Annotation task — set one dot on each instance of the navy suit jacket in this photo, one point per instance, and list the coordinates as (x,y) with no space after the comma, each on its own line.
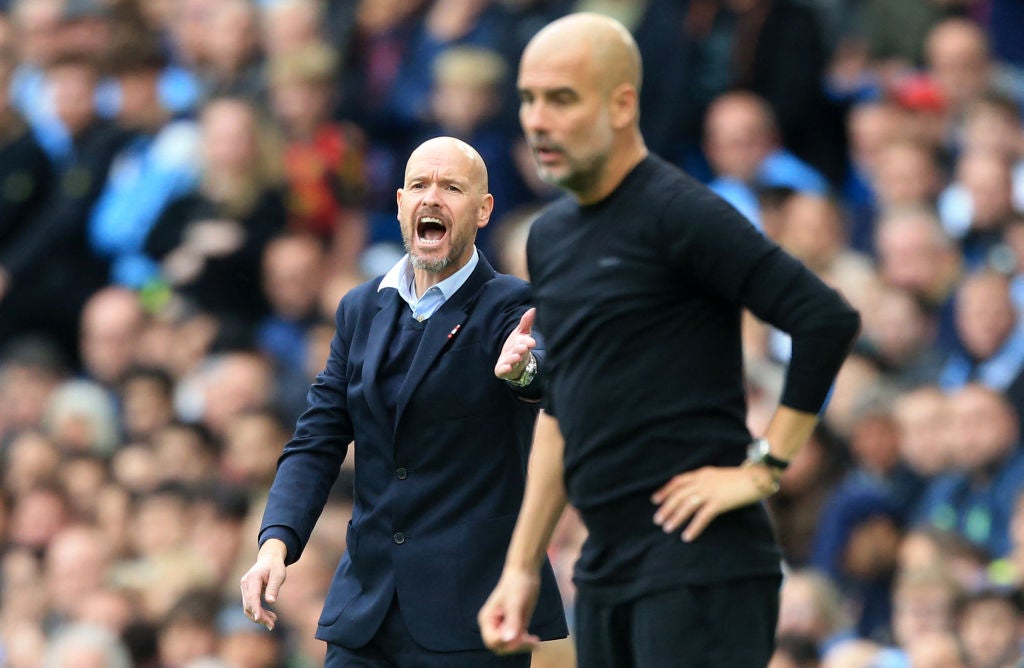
(438,488)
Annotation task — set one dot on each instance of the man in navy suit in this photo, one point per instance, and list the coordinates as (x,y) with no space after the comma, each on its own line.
(441,442)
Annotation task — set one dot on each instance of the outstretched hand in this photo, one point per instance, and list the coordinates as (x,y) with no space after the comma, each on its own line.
(262,583)
(516,351)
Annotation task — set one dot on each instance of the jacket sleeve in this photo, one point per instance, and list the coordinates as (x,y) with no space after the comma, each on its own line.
(309,464)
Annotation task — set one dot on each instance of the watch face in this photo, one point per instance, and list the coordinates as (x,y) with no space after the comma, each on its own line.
(757,449)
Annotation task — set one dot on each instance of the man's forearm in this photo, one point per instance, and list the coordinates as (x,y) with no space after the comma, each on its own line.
(543,501)
(788,430)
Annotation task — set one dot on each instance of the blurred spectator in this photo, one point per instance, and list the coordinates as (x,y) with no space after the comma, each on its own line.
(936,650)
(923,421)
(234,383)
(992,335)
(210,241)
(959,61)
(30,460)
(146,402)
(38,515)
(29,371)
(253,441)
(857,546)
(742,144)
(49,268)
(810,606)
(907,175)
(244,644)
(914,254)
(989,624)
(81,418)
(112,320)
(158,166)
(23,164)
(188,631)
(977,499)
(899,331)
(793,651)
(871,127)
(37,38)
(184,453)
(293,272)
(231,50)
(84,646)
(324,161)
(924,600)
(75,567)
(290,25)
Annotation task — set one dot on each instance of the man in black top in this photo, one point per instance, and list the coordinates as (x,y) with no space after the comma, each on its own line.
(639,279)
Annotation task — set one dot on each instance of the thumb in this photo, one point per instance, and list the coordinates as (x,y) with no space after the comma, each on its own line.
(273,587)
(526,322)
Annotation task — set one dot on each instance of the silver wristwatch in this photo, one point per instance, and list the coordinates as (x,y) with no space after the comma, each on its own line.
(529,372)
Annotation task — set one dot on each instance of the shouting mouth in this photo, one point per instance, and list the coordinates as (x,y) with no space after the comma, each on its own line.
(430,231)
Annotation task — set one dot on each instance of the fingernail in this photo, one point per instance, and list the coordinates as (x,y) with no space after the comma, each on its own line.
(657,519)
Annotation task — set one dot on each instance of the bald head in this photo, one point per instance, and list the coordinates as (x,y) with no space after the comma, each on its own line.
(445,149)
(603,41)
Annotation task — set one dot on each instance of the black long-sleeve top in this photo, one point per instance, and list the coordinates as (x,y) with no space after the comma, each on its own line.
(639,300)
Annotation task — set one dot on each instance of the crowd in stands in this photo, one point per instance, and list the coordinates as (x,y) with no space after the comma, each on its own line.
(188,187)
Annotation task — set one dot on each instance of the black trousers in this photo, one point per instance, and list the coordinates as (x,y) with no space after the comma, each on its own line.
(728,625)
(393,647)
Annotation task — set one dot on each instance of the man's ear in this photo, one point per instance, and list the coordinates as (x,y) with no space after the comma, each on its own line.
(398,199)
(486,207)
(625,105)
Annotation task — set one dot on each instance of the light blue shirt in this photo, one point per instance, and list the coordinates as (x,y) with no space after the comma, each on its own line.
(400,277)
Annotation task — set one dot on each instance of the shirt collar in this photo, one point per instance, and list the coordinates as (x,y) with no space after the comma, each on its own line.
(401,278)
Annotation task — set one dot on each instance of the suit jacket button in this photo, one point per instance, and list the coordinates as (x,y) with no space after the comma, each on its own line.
(399,537)
(401,473)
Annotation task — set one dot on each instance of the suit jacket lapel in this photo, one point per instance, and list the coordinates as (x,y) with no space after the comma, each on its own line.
(378,341)
(442,323)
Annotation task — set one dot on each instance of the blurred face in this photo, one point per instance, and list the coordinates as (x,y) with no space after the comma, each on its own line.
(462,108)
(565,115)
(935,650)
(989,182)
(957,56)
(921,610)
(910,255)
(73,88)
(906,175)
(441,206)
(111,323)
(990,631)
(251,448)
(737,138)
(146,406)
(229,136)
(871,129)
(799,611)
(898,327)
(139,98)
(231,35)
(299,105)
(985,315)
(991,128)
(984,427)
(811,230)
(923,419)
(292,277)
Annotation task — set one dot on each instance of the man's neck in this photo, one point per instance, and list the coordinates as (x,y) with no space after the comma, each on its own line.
(621,162)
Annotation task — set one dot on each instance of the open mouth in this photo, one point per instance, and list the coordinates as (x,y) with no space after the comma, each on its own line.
(430,230)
